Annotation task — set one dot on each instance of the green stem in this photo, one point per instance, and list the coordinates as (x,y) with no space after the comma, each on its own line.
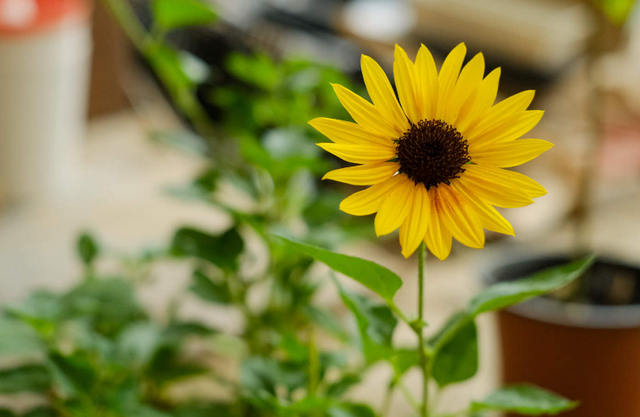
(183,96)
(408,396)
(423,355)
(314,364)
(129,23)
(386,401)
(399,313)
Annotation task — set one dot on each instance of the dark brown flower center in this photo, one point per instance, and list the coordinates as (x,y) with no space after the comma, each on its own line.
(432,152)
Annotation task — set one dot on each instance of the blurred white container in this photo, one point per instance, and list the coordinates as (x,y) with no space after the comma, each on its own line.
(45,49)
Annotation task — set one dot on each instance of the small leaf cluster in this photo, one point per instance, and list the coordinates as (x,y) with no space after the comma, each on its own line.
(93,350)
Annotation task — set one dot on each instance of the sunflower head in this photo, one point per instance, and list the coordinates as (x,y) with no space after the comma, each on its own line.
(431,152)
(435,160)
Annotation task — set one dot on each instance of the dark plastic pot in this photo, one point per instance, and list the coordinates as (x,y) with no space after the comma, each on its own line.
(587,351)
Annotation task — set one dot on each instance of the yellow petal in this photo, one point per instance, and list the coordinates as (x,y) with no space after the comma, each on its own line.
(438,237)
(340,131)
(414,228)
(382,95)
(510,128)
(467,84)
(448,77)
(360,154)
(489,216)
(495,187)
(364,113)
(524,183)
(476,106)
(364,174)
(514,104)
(459,217)
(395,208)
(368,201)
(427,75)
(510,154)
(406,83)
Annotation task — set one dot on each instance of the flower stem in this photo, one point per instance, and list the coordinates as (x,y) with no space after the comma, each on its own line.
(422,251)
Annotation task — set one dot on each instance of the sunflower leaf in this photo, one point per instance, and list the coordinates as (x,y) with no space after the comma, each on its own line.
(524,399)
(376,324)
(457,359)
(373,276)
(505,294)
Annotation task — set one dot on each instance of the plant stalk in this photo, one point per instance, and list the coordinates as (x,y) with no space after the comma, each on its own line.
(386,401)
(423,355)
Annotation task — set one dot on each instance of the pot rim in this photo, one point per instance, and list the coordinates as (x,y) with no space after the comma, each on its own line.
(563,313)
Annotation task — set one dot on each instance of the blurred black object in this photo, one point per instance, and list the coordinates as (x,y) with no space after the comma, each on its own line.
(249,26)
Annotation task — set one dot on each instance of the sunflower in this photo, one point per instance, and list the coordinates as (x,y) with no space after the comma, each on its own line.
(435,161)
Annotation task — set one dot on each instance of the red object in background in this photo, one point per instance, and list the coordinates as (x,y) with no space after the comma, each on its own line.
(619,157)
(23,17)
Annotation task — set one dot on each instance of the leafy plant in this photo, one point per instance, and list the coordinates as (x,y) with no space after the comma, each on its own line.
(95,350)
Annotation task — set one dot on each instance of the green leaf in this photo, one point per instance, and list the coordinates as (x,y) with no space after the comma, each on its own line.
(138,342)
(341,386)
(40,306)
(87,248)
(616,10)
(260,375)
(301,191)
(170,14)
(457,359)
(18,339)
(351,410)
(205,410)
(205,288)
(6,413)
(525,399)
(126,401)
(449,328)
(74,373)
(41,310)
(505,294)
(176,333)
(258,70)
(167,64)
(221,250)
(32,378)
(325,320)
(405,359)
(376,324)
(40,412)
(373,276)
(107,304)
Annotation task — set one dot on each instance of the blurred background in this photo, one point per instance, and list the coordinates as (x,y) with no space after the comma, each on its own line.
(100,133)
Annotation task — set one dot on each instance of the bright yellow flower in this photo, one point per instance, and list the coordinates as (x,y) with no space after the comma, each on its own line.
(435,160)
